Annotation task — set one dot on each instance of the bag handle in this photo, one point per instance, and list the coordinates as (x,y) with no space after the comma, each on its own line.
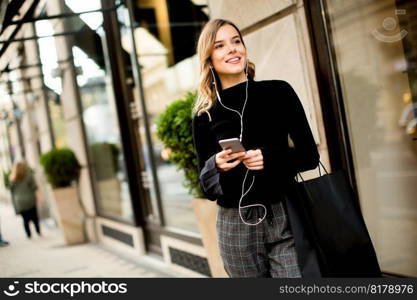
(327,173)
(320,164)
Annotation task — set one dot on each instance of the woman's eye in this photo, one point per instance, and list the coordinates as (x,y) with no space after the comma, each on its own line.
(237,41)
(218,46)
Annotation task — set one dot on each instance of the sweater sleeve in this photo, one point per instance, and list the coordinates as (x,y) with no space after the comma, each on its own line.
(205,146)
(304,155)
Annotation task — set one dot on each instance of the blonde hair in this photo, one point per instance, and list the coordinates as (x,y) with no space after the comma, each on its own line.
(206,90)
(19,171)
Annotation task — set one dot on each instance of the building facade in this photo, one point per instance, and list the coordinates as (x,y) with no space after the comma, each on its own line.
(95,75)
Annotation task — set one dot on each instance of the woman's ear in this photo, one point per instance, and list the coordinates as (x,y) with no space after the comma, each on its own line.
(210,63)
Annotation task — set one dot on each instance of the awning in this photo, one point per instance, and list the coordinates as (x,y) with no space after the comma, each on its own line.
(8,9)
(12,9)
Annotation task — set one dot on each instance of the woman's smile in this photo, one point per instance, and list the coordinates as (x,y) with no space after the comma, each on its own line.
(234,60)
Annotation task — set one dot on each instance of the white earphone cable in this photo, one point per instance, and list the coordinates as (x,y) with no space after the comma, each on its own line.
(240,138)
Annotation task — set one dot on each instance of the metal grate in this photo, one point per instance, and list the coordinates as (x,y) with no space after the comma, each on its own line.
(190,261)
(117,235)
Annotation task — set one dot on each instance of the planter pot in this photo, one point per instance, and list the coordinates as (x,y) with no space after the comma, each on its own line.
(69,215)
(206,214)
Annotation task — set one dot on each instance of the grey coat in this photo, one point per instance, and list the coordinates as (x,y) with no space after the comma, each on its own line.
(23,193)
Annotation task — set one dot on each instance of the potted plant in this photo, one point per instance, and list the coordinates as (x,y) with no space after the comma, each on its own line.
(174,129)
(62,170)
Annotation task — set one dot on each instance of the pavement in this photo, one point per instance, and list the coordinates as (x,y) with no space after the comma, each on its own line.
(49,256)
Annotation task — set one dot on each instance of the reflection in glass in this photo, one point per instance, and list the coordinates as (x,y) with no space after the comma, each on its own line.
(376,59)
(49,60)
(48,56)
(99,113)
(166,36)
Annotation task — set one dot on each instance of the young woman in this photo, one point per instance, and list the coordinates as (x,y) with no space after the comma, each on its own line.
(23,188)
(255,237)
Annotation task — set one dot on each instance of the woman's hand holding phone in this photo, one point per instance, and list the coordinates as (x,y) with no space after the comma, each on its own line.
(254,160)
(224,157)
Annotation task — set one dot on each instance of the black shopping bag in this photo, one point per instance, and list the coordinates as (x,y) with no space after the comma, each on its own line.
(301,229)
(336,227)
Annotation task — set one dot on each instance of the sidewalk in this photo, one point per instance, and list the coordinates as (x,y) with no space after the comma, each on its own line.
(48,256)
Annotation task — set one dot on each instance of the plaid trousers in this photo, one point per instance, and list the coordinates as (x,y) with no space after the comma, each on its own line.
(263,250)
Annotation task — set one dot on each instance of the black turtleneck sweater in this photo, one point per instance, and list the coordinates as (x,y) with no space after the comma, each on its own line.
(273,112)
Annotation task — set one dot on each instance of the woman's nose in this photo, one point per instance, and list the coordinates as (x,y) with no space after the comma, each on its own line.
(232,48)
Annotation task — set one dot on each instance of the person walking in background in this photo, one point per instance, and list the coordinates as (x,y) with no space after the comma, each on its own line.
(255,237)
(23,188)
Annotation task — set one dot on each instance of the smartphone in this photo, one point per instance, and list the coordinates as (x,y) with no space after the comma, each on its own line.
(232,143)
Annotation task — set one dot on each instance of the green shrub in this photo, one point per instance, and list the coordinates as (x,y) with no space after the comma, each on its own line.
(174,129)
(61,167)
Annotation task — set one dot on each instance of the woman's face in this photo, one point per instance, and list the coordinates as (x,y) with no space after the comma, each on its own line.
(229,54)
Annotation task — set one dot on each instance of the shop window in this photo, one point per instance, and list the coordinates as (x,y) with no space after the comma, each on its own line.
(375,47)
(166,34)
(99,114)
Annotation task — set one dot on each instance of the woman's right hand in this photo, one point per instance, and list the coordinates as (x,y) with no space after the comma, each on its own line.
(223,158)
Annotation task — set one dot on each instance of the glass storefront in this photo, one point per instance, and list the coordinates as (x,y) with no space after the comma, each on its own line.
(166,36)
(169,69)
(99,113)
(49,60)
(375,44)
